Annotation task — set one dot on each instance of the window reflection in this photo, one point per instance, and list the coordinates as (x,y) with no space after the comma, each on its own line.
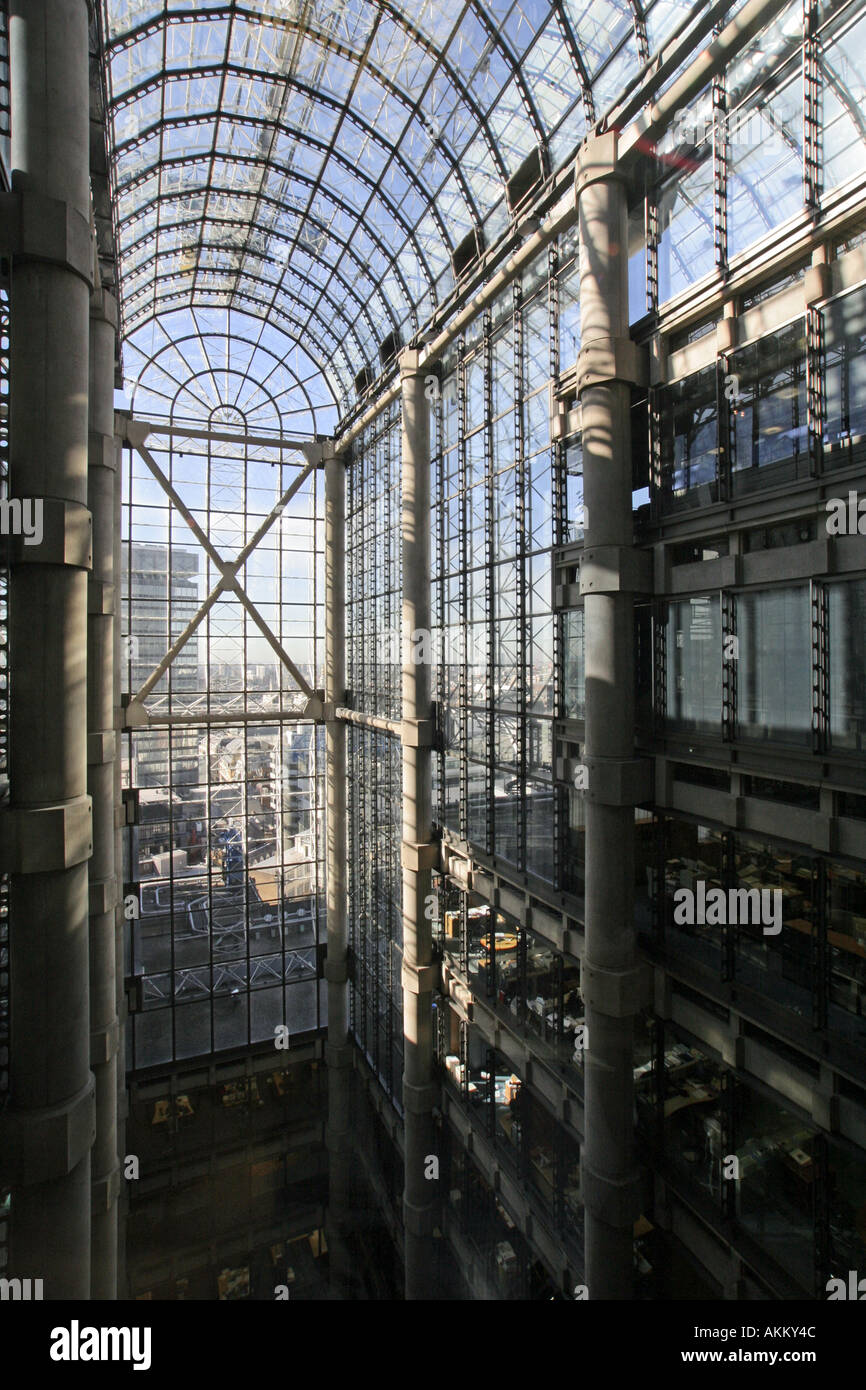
(575,664)
(694,1122)
(774,686)
(846,939)
(694,663)
(765,181)
(775,1191)
(686,247)
(694,852)
(847,624)
(844,328)
(690,441)
(777,963)
(844,95)
(769,440)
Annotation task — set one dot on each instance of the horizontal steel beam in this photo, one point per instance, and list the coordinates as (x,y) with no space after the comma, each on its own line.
(369,721)
(134,430)
(280,716)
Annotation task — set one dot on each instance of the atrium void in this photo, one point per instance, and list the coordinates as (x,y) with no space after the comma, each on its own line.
(432,677)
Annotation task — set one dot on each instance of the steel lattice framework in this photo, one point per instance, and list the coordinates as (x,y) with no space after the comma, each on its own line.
(317,162)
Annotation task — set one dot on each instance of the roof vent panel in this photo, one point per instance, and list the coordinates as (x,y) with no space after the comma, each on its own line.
(467,253)
(523,183)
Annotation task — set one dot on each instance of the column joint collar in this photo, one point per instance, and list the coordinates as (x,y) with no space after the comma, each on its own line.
(34,227)
(598,161)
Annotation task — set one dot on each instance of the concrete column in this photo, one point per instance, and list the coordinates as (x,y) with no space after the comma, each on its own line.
(101,758)
(338,1051)
(417,852)
(47,1130)
(609,976)
(119,921)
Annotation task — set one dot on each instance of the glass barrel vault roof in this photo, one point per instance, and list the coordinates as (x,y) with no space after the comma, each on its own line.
(313,163)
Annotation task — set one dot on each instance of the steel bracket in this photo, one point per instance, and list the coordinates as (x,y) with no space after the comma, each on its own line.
(615,1203)
(616,569)
(419,979)
(616,993)
(104,1043)
(46,839)
(419,857)
(416,733)
(36,228)
(611,359)
(66,537)
(39,1145)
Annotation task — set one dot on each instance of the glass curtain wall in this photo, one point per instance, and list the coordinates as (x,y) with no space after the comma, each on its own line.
(812,965)
(754,1160)
(374,637)
(224,786)
(746,424)
(497,480)
(775,135)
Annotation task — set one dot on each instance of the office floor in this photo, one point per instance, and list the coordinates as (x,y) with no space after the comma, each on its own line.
(231,1198)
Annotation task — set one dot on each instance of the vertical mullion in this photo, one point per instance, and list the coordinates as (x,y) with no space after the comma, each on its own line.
(816,393)
(729,666)
(729,931)
(276,767)
(463,683)
(489,581)
(652,250)
(729,1139)
(720,156)
(822,1211)
(660,641)
(245,768)
(207,740)
(440,512)
(655,396)
(811,107)
(820,668)
(5,975)
(520,549)
(556,621)
(386,695)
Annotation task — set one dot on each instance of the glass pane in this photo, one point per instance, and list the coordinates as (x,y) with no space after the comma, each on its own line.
(774,667)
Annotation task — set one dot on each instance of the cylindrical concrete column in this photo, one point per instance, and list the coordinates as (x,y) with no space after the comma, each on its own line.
(101,758)
(338,1051)
(46,1133)
(417,851)
(608,1167)
(120,923)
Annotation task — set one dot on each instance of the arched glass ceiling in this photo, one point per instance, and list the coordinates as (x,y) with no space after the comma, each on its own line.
(315,162)
(204,367)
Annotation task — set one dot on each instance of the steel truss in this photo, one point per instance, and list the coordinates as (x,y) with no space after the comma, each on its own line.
(204,981)
(134,433)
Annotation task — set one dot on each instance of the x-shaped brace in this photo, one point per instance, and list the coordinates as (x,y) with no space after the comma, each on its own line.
(228,582)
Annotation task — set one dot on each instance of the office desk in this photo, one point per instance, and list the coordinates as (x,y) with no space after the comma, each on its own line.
(162,1109)
(699,1095)
(241,1093)
(503,941)
(800,1164)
